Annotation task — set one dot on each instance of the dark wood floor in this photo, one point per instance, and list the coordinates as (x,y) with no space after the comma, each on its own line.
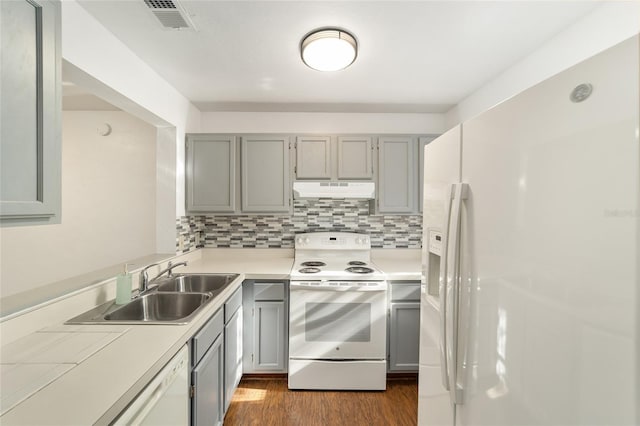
(269,402)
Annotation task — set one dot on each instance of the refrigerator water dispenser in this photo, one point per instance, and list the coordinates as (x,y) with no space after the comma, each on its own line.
(435,251)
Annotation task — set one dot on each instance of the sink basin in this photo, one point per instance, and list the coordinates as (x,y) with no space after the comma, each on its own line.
(160,307)
(152,308)
(175,300)
(200,283)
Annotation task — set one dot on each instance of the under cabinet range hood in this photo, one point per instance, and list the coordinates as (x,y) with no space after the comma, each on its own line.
(350,190)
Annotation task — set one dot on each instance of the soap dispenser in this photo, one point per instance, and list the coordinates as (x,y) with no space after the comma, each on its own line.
(123,286)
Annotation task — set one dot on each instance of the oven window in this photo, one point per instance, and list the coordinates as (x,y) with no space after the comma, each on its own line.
(337,322)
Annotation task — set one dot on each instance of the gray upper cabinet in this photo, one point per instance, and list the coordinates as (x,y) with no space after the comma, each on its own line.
(233,174)
(355,157)
(313,157)
(30,112)
(397,163)
(265,174)
(211,162)
(422,142)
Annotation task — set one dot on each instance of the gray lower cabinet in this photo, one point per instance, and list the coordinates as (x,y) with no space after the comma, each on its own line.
(30,112)
(232,346)
(210,168)
(404,326)
(397,164)
(266,325)
(266,186)
(269,335)
(207,374)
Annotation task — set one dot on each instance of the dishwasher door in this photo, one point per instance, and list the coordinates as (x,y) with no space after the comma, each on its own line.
(165,400)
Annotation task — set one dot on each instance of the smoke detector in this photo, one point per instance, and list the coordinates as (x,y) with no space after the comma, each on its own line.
(170,14)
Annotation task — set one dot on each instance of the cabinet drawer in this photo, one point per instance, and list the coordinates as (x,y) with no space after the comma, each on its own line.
(206,336)
(405,291)
(232,305)
(268,291)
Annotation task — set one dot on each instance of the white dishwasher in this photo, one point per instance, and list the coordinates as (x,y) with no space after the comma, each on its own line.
(165,400)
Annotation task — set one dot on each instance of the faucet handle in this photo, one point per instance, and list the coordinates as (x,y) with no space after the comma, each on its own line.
(170,266)
(144,277)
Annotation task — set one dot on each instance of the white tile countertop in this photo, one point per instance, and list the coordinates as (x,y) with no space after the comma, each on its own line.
(253,263)
(96,388)
(398,265)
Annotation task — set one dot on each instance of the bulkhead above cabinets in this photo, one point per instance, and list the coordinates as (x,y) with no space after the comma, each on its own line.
(254,174)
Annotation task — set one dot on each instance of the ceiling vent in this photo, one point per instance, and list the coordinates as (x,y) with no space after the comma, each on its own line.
(170,14)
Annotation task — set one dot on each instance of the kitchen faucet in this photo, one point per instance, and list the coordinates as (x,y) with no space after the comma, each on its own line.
(144,277)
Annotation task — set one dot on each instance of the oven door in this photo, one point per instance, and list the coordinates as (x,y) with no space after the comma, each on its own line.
(338,320)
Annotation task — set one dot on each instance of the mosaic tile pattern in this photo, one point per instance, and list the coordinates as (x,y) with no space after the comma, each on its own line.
(189,232)
(271,231)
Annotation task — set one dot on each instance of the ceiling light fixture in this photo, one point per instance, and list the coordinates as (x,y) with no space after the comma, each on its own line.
(328,49)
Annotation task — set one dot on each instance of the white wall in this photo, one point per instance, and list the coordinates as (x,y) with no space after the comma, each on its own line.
(100,62)
(607,25)
(166,191)
(317,122)
(108,205)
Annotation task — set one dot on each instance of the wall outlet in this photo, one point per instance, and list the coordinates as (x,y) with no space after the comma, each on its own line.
(180,242)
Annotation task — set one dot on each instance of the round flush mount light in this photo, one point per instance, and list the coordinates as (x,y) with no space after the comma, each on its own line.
(328,49)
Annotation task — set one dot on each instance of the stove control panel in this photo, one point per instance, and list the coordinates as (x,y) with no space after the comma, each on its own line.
(332,241)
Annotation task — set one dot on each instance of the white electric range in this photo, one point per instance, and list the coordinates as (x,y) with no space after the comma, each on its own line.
(338,313)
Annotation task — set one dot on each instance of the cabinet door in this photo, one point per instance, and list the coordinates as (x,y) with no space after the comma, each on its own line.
(397,159)
(269,330)
(30,134)
(232,356)
(207,380)
(404,336)
(355,159)
(422,142)
(211,173)
(313,157)
(265,174)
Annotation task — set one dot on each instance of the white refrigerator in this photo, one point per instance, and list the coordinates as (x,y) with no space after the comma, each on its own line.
(530,295)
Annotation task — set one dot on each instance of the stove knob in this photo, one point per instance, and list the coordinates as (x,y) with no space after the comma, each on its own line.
(358,241)
(299,240)
(307,240)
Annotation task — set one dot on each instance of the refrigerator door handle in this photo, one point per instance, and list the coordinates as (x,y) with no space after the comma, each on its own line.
(453,285)
(442,291)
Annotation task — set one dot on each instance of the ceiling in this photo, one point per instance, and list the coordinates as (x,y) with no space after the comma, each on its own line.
(414,56)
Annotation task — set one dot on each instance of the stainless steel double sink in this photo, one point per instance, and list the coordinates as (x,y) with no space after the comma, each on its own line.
(173,300)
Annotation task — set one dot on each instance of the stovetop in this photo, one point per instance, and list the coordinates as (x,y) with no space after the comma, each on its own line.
(334,256)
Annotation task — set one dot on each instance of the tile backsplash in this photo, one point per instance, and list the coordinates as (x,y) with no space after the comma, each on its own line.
(278,231)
